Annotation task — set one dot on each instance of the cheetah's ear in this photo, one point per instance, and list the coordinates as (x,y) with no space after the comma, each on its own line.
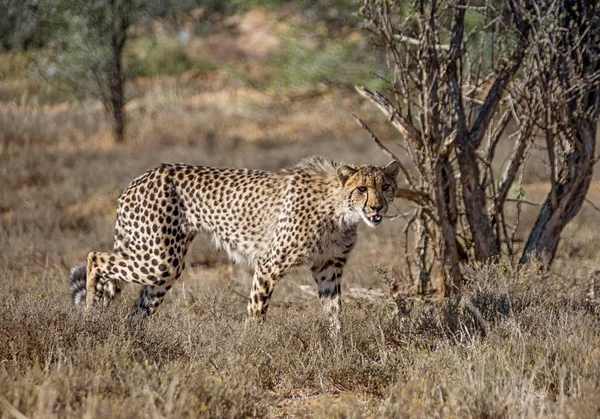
(345,172)
(392,169)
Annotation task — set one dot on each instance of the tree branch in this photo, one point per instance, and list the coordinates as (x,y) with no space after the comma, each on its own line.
(502,80)
(455,92)
(522,144)
(405,128)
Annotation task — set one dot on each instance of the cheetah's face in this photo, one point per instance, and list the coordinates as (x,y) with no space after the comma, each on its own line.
(369,189)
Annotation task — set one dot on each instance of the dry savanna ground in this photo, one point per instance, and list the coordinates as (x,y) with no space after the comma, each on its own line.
(60,175)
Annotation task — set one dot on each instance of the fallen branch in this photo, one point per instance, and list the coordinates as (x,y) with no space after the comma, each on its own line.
(467,304)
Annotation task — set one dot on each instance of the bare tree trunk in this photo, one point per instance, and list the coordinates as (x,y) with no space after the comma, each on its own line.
(116,87)
(119,13)
(484,240)
(445,198)
(570,194)
(573,69)
(423,277)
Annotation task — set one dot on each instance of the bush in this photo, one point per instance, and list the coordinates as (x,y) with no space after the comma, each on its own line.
(14,65)
(162,55)
(305,65)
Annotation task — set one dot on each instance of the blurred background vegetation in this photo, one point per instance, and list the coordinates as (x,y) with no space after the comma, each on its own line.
(60,42)
(65,49)
(61,50)
(258,84)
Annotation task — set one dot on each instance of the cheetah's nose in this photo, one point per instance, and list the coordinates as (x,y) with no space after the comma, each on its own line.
(376,208)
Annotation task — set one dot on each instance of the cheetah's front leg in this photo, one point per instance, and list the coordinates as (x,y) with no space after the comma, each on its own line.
(328,276)
(265,277)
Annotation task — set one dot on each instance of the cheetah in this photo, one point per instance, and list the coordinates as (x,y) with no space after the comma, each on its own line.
(304,215)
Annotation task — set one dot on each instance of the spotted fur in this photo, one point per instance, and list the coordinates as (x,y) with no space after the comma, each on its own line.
(306,214)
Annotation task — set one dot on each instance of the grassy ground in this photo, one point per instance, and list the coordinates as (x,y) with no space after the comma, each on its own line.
(60,174)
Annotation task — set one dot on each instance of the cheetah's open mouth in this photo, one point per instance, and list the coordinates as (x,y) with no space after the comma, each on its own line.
(375,218)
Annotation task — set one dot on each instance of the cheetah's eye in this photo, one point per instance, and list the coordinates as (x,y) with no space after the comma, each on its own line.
(362,189)
(385,187)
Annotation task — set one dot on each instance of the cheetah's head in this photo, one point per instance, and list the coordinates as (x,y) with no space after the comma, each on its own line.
(369,189)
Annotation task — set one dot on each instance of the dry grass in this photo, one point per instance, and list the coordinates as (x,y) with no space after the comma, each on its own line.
(198,356)
(59,177)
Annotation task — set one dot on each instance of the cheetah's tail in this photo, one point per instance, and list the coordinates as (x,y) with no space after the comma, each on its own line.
(77,286)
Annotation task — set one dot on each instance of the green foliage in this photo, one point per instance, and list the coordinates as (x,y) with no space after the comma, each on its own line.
(75,59)
(23,24)
(89,52)
(14,65)
(165,7)
(163,55)
(301,64)
(334,13)
(244,5)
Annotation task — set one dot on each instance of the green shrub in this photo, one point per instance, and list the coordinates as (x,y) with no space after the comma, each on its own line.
(300,64)
(14,65)
(162,55)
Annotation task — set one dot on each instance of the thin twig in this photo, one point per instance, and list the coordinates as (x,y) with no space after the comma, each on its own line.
(384,148)
(402,214)
(589,201)
(524,201)
(416,42)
